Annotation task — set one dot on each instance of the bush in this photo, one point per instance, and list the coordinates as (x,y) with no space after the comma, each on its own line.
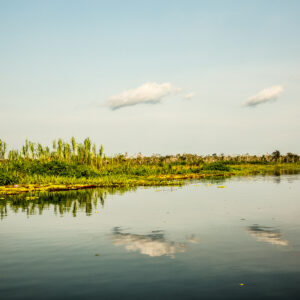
(54,168)
(141,171)
(7,178)
(217,166)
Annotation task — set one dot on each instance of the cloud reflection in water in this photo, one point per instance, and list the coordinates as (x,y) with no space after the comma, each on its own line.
(267,234)
(153,244)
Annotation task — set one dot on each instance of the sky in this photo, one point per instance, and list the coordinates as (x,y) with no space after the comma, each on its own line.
(156,77)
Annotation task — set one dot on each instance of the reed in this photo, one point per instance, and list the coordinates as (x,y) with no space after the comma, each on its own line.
(84,163)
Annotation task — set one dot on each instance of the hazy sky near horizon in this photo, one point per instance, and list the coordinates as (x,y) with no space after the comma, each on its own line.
(152,76)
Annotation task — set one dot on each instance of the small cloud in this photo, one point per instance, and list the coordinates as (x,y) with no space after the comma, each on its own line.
(149,93)
(266,95)
(189,96)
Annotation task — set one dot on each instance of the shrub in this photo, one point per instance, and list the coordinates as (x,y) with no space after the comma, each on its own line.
(55,168)
(6,178)
(217,166)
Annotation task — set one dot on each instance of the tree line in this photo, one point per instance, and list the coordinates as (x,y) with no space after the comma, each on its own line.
(87,153)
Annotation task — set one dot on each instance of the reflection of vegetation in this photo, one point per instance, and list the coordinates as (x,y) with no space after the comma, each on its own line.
(267,234)
(61,202)
(73,165)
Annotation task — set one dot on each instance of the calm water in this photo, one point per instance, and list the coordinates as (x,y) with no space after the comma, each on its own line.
(194,242)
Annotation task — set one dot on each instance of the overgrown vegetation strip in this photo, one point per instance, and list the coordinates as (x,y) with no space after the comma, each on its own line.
(72,166)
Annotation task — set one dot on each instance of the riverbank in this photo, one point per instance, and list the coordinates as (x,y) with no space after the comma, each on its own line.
(26,180)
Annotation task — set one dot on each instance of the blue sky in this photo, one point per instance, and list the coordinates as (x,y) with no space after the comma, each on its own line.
(62,61)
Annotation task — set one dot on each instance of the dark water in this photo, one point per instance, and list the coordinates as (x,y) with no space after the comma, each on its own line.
(194,242)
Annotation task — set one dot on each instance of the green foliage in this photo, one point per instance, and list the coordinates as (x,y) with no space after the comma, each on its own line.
(217,166)
(276,155)
(7,178)
(55,168)
(75,162)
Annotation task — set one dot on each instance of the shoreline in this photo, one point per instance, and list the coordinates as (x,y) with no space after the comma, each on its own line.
(57,183)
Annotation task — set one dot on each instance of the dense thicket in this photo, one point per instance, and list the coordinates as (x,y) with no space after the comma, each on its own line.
(86,160)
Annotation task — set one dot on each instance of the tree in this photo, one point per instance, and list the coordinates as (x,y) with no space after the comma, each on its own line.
(276,155)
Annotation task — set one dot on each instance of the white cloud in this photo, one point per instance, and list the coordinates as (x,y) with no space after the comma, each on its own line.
(266,95)
(189,96)
(149,92)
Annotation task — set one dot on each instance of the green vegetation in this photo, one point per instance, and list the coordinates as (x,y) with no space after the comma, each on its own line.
(216,166)
(80,165)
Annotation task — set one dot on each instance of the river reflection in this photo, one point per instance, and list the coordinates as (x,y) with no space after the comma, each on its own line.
(189,242)
(267,234)
(153,244)
(87,200)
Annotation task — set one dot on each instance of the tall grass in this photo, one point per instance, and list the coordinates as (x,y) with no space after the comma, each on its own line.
(74,162)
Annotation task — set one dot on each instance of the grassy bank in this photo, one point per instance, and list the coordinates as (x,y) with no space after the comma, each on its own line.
(37,176)
(81,165)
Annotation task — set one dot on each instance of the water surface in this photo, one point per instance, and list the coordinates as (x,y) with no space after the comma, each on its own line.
(194,242)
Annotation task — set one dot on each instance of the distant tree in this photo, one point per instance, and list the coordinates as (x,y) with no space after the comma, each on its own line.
(291,157)
(276,155)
